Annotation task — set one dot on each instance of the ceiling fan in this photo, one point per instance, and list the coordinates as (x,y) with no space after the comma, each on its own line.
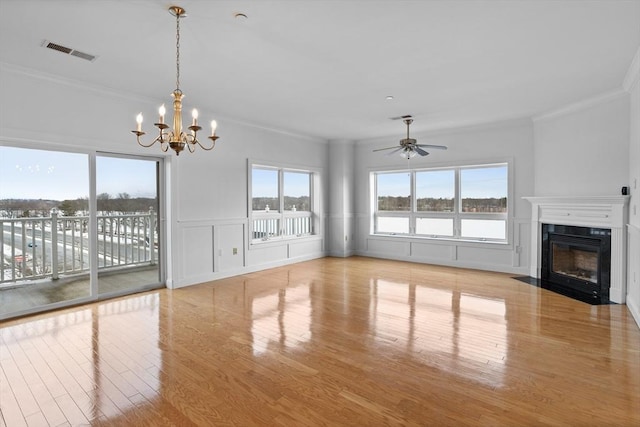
(409,147)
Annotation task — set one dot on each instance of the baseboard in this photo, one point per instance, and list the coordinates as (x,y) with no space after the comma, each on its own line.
(341,254)
(634,309)
(203,278)
(521,271)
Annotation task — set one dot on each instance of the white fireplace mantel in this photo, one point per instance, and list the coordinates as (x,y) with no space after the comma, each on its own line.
(594,211)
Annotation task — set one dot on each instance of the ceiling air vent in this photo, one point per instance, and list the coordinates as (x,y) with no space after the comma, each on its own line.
(68,51)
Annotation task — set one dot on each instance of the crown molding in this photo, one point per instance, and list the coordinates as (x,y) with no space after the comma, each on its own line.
(453,128)
(603,98)
(267,128)
(633,74)
(137,98)
(103,90)
(26,138)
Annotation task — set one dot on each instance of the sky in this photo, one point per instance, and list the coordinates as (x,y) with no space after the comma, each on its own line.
(264,183)
(40,174)
(476,183)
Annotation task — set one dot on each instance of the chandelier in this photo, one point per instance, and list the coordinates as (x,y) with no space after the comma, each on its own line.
(175,138)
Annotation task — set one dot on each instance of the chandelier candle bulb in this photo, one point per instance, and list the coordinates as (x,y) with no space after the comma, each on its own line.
(194,114)
(162,112)
(139,122)
(214,125)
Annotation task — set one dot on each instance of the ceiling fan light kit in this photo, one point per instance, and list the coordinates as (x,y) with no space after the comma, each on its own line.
(409,147)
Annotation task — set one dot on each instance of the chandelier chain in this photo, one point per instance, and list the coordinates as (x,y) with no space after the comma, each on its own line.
(178,52)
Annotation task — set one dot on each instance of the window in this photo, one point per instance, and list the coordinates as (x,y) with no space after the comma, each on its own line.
(464,202)
(265,196)
(483,197)
(394,195)
(281,203)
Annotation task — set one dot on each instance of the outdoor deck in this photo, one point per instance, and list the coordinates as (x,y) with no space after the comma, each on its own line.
(28,296)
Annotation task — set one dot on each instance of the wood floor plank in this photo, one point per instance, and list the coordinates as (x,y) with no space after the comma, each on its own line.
(332,341)
(10,409)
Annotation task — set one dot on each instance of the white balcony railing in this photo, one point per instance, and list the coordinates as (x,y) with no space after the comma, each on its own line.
(267,226)
(36,248)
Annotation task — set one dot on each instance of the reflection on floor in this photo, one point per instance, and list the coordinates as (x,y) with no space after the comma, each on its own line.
(332,341)
(40,293)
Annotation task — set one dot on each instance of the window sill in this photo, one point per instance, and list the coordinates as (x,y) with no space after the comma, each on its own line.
(277,241)
(441,240)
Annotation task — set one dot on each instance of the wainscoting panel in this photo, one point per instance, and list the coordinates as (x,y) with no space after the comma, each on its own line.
(229,247)
(431,252)
(305,248)
(267,253)
(498,257)
(197,251)
(215,249)
(390,248)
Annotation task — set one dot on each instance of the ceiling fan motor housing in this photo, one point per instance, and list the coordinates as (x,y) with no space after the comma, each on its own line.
(407,142)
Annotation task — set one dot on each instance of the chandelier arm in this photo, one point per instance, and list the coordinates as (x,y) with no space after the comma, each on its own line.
(213,144)
(192,139)
(139,134)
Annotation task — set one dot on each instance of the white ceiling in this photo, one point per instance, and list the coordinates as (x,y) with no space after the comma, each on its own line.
(324,68)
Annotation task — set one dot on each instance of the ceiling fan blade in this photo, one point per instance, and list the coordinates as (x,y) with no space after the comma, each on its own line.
(388,148)
(409,146)
(437,147)
(420,151)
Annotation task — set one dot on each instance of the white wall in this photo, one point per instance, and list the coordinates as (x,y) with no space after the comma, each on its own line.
(341,198)
(212,206)
(207,190)
(512,141)
(593,149)
(632,85)
(583,152)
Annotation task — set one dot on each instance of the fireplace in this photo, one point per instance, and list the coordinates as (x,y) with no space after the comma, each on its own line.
(582,226)
(577,260)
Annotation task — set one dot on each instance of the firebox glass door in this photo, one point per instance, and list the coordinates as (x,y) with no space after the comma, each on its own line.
(575,262)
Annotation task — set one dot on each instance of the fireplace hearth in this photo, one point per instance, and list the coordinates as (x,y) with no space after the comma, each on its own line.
(577,261)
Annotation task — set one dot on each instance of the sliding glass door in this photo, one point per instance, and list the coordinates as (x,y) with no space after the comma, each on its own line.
(58,231)
(128,243)
(44,217)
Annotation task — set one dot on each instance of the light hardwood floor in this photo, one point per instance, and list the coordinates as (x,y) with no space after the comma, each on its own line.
(357,341)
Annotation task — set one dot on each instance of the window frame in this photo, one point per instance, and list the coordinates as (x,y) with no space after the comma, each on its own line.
(306,221)
(457,216)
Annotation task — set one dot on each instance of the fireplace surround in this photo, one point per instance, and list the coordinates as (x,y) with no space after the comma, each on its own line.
(577,261)
(605,213)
